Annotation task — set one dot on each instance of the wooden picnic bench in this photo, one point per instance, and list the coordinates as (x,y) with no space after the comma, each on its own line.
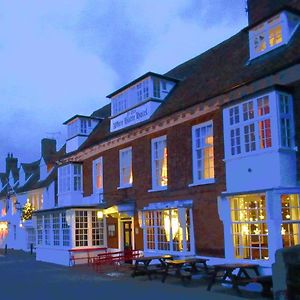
(225,273)
(83,254)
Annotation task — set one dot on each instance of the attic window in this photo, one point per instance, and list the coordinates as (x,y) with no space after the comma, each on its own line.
(272,33)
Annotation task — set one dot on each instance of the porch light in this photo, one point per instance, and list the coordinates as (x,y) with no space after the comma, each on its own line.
(100,214)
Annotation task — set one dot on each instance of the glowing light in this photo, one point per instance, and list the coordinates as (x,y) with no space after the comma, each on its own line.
(283,231)
(288,216)
(100,214)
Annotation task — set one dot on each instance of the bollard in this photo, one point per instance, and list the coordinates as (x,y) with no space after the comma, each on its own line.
(5,249)
(31,248)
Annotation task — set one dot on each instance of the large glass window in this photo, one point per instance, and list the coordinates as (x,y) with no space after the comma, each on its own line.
(290,211)
(249,227)
(36,200)
(203,152)
(81,228)
(159,163)
(77,177)
(65,227)
(56,229)
(168,230)
(125,157)
(97,230)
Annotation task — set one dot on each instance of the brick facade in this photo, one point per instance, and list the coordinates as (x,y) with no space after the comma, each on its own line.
(208,229)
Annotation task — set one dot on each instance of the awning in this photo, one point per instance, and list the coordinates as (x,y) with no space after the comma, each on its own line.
(169,205)
(121,210)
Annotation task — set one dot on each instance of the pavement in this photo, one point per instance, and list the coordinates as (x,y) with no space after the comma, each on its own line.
(22,277)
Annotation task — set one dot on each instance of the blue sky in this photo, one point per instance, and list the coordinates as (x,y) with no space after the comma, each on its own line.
(59,58)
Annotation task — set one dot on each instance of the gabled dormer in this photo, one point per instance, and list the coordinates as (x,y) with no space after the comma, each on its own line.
(137,101)
(79,128)
(272,33)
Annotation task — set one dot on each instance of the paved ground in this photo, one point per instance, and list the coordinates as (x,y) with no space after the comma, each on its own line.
(21,277)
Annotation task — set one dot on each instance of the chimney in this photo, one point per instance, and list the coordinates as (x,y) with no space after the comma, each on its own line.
(261,9)
(48,147)
(11,163)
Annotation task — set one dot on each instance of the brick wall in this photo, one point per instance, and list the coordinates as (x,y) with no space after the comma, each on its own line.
(207,226)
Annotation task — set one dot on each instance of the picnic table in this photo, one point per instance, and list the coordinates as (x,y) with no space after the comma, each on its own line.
(226,275)
(143,265)
(183,268)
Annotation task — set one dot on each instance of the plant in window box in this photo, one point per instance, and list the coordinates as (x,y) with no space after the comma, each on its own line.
(27,211)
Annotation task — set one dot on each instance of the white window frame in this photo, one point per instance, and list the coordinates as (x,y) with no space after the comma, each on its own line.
(66,179)
(155,186)
(195,170)
(153,231)
(123,164)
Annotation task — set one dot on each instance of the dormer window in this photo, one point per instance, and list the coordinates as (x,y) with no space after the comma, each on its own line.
(137,101)
(272,33)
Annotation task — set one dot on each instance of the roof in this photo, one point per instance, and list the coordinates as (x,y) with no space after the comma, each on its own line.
(213,73)
(30,168)
(139,79)
(79,116)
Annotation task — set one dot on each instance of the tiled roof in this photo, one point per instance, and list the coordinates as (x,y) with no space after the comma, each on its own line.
(210,74)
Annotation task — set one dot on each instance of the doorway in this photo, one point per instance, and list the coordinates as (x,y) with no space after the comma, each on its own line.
(127,235)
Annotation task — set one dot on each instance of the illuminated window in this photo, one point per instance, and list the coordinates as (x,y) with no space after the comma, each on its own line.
(159,163)
(36,200)
(203,152)
(290,211)
(168,230)
(125,157)
(98,174)
(275,35)
(249,227)
(97,230)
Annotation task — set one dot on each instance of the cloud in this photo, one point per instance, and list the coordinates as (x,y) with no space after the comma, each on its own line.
(62,57)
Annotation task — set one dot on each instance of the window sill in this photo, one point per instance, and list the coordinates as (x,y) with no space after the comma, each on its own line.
(202,182)
(158,189)
(124,187)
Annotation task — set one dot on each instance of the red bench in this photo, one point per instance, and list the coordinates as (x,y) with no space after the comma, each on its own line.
(88,254)
(115,258)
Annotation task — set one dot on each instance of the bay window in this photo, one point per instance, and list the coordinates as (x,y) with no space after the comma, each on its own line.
(168,230)
(290,211)
(125,158)
(159,163)
(249,226)
(203,153)
(264,122)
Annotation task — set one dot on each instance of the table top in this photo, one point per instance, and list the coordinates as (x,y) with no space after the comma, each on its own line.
(186,261)
(236,266)
(147,258)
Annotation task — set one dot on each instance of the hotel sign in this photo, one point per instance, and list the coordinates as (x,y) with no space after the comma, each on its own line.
(133,116)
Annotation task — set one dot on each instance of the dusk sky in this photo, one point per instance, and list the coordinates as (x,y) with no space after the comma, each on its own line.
(59,58)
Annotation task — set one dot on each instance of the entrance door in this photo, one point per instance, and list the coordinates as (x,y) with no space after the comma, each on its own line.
(127,235)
